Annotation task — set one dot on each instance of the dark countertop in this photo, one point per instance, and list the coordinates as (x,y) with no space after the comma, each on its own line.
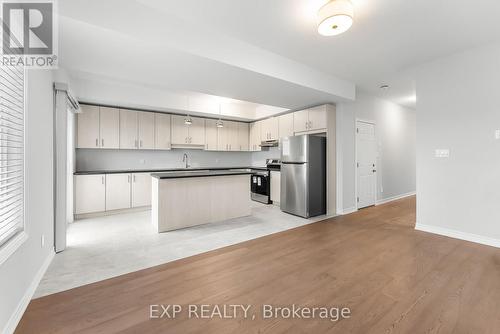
(200,173)
(121,171)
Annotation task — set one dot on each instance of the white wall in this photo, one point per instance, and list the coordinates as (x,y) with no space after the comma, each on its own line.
(19,275)
(395,133)
(458,110)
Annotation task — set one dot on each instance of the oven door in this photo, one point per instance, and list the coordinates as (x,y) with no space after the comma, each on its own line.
(259,185)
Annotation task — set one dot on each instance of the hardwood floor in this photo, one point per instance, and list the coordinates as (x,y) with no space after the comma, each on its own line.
(394,280)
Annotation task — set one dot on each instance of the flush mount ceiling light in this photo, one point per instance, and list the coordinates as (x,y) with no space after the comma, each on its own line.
(188,120)
(335,17)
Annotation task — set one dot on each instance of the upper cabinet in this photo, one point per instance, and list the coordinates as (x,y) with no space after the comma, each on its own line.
(98,127)
(162,132)
(269,129)
(109,127)
(188,134)
(146,130)
(312,119)
(285,123)
(228,137)
(103,127)
(211,135)
(137,130)
(128,129)
(243,136)
(255,129)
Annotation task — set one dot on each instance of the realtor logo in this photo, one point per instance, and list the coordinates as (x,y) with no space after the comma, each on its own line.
(28,33)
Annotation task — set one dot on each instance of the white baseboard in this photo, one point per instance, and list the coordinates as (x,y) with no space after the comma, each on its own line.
(479,239)
(395,198)
(346,211)
(23,304)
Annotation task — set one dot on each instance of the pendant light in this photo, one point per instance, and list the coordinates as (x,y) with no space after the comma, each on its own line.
(335,17)
(188,120)
(219,123)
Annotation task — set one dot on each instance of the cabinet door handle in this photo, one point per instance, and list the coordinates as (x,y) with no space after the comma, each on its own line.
(102,179)
(96,142)
(140,143)
(128,178)
(102,142)
(135,143)
(134,177)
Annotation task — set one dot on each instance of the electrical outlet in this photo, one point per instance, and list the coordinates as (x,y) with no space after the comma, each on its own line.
(42,241)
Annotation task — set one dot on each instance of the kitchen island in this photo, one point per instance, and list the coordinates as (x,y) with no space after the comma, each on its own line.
(188,198)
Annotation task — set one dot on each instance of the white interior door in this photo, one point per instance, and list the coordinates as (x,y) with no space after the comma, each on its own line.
(366,158)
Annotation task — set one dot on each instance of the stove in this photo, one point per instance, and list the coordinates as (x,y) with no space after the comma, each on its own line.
(260,181)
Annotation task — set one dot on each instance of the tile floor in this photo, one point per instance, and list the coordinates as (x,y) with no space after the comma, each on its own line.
(105,247)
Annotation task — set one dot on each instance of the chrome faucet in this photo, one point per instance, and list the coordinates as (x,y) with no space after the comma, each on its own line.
(186,160)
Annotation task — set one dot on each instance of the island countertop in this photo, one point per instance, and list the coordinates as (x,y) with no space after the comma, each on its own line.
(200,173)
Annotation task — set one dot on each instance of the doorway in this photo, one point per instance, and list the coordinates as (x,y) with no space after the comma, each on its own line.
(366,164)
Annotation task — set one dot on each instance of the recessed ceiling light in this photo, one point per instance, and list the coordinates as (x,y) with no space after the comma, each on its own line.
(335,17)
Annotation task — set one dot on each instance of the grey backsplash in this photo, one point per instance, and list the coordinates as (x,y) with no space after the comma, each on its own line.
(92,159)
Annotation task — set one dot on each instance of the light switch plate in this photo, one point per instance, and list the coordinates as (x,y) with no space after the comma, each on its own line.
(442,153)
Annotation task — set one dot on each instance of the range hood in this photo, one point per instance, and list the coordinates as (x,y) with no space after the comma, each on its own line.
(270,143)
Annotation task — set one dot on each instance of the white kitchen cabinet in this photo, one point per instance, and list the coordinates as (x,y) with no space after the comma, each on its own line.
(301,120)
(243,136)
(128,129)
(141,189)
(197,132)
(232,136)
(269,129)
(275,186)
(88,127)
(118,187)
(317,117)
(285,123)
(162,131)
(109,127)
(211,135)
(90,193)
(312,119)
(255,141)
(188,135)
(146,130)
(180,131)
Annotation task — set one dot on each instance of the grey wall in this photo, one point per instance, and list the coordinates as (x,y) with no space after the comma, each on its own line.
(396,139)
(458,110)
(89,159)
(18,273)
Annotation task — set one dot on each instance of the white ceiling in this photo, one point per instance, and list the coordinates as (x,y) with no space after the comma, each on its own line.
(269,51)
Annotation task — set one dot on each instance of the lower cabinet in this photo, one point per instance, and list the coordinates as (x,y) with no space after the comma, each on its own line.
(141,189)
(90,193)
(275,187)
(117,191)
(106,192)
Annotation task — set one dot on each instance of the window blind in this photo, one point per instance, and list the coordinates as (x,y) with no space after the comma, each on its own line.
(11,152)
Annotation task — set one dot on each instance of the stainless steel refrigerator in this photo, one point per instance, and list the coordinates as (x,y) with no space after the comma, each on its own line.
(303,175)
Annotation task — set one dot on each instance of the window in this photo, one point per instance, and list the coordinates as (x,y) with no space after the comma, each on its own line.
(11,154)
